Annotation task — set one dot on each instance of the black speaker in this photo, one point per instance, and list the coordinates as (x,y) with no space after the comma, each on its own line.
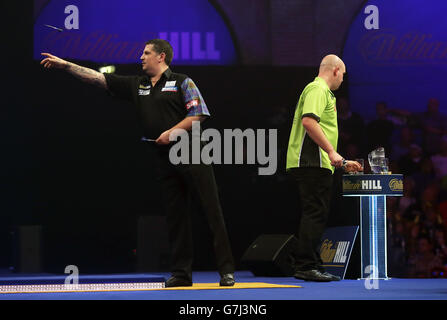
(271,255)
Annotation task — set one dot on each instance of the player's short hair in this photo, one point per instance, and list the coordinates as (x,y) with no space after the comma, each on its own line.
(162,46)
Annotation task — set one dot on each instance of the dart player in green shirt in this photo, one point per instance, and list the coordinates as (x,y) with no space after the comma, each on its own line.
(311,160)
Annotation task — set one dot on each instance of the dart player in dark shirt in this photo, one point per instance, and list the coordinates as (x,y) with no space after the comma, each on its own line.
(166,101)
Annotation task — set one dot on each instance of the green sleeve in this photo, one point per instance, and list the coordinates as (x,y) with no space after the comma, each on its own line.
(314,103)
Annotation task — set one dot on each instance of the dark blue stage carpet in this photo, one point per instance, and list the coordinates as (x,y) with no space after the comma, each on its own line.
(394,289)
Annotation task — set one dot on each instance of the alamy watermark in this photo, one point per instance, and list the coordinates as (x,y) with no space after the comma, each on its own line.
(372,281)
(372,20)
(72,280)
(249,146)
(72,18)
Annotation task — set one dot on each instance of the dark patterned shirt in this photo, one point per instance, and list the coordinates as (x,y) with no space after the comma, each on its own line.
(173,98)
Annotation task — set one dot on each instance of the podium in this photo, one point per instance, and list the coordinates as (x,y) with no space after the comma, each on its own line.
(372,189)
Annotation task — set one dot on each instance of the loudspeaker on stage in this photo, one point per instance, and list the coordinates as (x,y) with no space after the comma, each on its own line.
(270,255)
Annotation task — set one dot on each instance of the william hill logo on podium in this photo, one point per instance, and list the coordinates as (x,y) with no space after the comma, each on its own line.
(373,184)
(396,185)
(365,185)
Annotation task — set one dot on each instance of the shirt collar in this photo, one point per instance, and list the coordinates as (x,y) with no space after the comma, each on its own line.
(324,84)
(167,73)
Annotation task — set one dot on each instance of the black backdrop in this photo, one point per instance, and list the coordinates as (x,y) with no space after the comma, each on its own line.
(72,161)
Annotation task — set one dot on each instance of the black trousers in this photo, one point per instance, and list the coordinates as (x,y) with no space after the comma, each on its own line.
(180,184)
(314,188)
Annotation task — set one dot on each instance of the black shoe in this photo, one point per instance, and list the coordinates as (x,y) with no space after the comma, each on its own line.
(313,275)
(227,280)
(333,277)
(177,282)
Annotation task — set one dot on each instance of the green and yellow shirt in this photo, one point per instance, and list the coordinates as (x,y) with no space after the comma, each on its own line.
(316,101)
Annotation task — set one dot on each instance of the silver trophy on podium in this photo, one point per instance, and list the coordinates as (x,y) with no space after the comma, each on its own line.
(378,162)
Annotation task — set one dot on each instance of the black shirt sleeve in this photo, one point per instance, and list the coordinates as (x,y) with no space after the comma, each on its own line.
(121,86)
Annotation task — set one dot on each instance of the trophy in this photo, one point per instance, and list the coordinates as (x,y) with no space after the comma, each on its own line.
(377,161)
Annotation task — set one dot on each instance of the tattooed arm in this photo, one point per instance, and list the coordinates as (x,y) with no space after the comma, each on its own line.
(85,74)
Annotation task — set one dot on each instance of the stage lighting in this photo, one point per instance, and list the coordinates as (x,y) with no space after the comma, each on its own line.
(107,69)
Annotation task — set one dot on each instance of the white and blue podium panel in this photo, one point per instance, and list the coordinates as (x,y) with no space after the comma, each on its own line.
(373,190)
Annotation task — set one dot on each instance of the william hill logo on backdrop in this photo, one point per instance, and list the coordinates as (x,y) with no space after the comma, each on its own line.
(337,252)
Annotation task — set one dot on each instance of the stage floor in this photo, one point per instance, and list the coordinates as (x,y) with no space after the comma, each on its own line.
(393,289)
